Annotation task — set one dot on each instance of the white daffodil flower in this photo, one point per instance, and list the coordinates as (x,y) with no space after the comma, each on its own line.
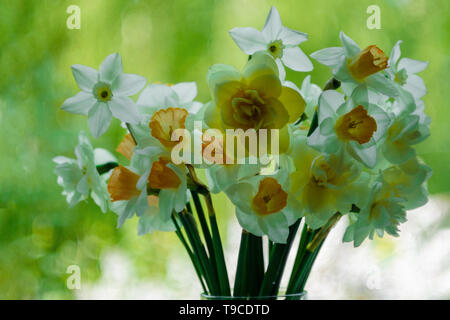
(104,94)
(357,68)
(281,42)
(79,177)
(263,205)
(350,127)
(403,72)
(405,131)
(324,185)
(399,188)
(160,96)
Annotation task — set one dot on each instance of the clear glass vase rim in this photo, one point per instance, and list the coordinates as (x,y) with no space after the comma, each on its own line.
(281,295)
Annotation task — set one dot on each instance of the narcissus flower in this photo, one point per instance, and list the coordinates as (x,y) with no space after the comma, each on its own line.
(263,205)
(357,68)
(398,189)
(105,93)
(161,96)
(349,127)
(79,177)
(255,99)
(403,72)
(323,184)
(279,41)
(405,131)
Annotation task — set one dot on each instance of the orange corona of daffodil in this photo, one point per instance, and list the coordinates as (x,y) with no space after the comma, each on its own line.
(162,177)
(253,99)
(356,125)
(122,184)
(270,198)
(369,61)
(126,146)
(164,122)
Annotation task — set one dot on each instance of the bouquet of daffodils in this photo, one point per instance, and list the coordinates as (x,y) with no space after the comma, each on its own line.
(285,156)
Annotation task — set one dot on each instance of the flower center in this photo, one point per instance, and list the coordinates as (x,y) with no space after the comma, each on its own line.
(369,61)
(250,111)
(322,173)
(401,77)
(162,177)
(270,197)
(122,184)
(275,48)
(356,125)
(164,122)
(103,92)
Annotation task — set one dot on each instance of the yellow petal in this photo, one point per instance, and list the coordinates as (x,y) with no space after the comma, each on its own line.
(293,102)
(162,177)
(267,85)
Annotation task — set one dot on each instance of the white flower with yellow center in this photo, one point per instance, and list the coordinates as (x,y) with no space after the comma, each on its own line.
(399,188)
(405,131)
(79,177)
(357,68)
(279,41)
(403,72)
(263,205)
(324,185)
(105,93)
(349,127)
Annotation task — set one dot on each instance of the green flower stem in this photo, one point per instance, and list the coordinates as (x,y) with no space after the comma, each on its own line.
(224,283)
(255,262)
(131,133)
(205,230)
(305,238)
(241,269)
(323,232)
(275,269)
(192,256)
(199,250)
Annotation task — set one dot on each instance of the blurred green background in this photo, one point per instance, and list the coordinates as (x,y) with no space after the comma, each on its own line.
(166,41)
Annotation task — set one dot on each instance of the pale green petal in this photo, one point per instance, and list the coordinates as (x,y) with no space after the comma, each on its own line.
(111,68)
(99,118)
(85,77)
(80,103)
(249,40)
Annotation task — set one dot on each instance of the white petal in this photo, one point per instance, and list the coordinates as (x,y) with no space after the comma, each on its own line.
(99,118)
(248,40)
(411,65)
(186,91)
(110,68)
(80,103)
(329,102)
(295,59)
(367,156)
(291,37)
(125,109)
(281,70)
(158,95)
(128,84)
(329,56)
(102,156)
(86,77)
(395,55)
(381,84)
(351,49)
(272,27)
(415,85)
